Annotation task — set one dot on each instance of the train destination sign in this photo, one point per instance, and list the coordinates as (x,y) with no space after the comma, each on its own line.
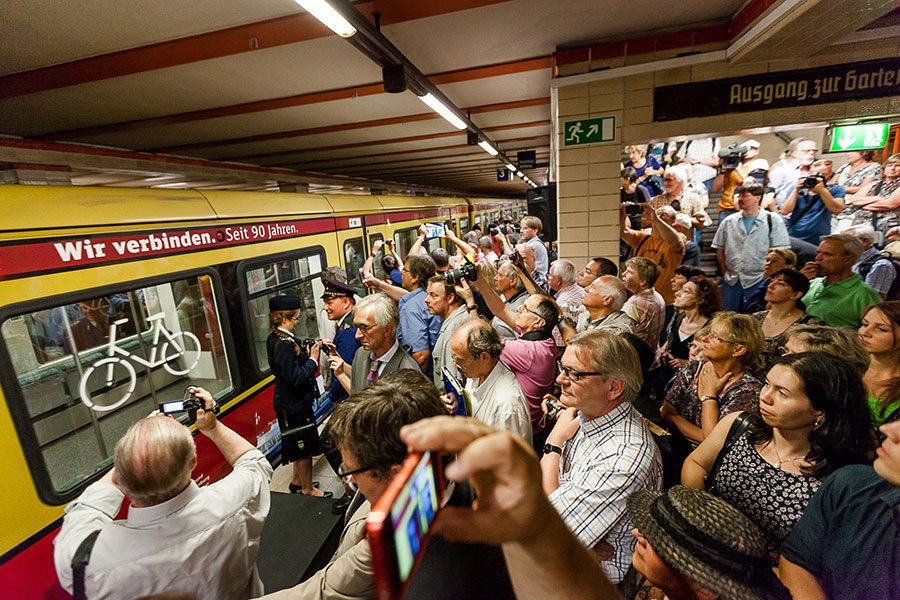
(783,89)
(867,136)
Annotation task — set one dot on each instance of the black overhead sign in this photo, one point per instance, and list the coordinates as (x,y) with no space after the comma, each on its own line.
(526,159)
(834,83)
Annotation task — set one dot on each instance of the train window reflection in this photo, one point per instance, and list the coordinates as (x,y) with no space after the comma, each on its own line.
(88,370)
(308,287)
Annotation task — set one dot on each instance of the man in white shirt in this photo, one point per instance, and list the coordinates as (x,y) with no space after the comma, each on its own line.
(178,537)
(497,398)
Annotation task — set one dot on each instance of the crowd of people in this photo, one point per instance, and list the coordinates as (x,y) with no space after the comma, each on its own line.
(767,390)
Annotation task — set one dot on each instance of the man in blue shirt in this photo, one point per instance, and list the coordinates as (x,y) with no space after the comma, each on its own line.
(811,206)
(419,329)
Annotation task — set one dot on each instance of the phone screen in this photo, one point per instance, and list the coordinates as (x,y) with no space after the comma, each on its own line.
(401,520)
(171,407)
(433,230)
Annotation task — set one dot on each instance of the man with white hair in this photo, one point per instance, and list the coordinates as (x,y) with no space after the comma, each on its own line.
(487,249)
(563,283)
(603,302)
(529,259)
(178,538)
(877,271)
(676,195)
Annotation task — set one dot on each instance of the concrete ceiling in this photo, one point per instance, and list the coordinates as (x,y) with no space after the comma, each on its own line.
(262,83)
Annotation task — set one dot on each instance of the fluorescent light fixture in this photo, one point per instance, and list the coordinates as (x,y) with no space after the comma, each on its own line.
(520,174)
(511,167)
(439,107)
(486,146)
(329,17)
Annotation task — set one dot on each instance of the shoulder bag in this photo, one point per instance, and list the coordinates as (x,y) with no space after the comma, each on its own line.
(737,429)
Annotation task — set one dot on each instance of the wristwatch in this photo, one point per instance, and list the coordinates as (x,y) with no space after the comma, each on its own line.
(548,448)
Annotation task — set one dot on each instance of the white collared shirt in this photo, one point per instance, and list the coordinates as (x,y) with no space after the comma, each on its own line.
(384,358)
(203,542)
(499,401)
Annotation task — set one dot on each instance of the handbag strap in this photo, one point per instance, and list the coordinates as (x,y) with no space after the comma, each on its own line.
(738,427)
(79,565)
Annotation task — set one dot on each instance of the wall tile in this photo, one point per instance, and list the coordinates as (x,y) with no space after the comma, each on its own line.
(574,204)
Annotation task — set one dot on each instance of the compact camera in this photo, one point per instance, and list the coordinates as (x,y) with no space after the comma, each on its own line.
(553,409)
(732,155)
(189,405)
(633,208)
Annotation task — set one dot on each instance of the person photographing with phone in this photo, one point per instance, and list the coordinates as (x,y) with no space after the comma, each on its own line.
(176,533)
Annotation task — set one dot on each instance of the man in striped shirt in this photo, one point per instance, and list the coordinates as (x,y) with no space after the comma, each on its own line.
(600,451)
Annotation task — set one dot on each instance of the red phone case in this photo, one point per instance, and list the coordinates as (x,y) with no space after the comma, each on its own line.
(379,527)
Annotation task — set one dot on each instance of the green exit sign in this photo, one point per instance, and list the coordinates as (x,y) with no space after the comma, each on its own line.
(868,136)
(588,131)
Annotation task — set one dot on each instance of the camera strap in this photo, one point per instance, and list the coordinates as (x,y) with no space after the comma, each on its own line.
(80,563)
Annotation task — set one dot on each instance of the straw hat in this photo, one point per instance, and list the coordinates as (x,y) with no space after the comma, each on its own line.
(708,541)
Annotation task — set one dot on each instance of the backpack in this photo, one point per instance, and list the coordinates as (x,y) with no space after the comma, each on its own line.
(866,266)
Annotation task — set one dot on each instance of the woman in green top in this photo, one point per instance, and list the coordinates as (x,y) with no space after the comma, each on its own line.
(880,336)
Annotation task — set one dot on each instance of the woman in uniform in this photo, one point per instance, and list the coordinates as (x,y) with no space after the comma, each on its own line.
(295,389)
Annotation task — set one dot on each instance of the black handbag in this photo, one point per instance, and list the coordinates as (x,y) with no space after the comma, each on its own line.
(300,442)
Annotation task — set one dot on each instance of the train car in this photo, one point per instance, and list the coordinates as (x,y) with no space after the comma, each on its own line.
(114,300)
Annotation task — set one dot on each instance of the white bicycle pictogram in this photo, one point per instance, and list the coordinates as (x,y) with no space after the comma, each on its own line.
(170,346)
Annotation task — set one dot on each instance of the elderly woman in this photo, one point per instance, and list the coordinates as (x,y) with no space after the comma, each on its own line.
(783,294)
(879,203)
(295,381)
(812,420)
(645,169)
(880,337)
(704,392)
(836,341)
(673,532)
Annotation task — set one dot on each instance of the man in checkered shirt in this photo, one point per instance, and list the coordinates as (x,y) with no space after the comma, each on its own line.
(600,451)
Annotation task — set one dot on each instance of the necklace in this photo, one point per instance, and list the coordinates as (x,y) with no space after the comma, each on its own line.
(791,313)
(787,460)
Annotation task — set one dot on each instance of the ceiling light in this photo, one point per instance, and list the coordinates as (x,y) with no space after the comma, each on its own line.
(486,146)
(511,167)
(439,107)
(520,174)
(324,12)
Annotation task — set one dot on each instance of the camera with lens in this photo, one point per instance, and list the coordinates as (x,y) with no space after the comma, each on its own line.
(188,405)
(516,258)
(633,208)
(306,343)
(812,180)
(732,155)
(467,270)
(553,409)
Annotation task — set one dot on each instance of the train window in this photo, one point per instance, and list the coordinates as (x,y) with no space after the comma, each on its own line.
(403,240)
(89,369)
(478,221)
(354,257)
(463,225)
(306,284)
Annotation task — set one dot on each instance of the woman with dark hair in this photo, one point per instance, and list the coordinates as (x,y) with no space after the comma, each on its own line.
(880,336)
(783,294)
(705,391)
(391,267)
(697,301)
(812,420)
(295,381)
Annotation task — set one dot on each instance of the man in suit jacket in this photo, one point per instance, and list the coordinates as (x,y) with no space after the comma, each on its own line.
(369,422)
(376,320)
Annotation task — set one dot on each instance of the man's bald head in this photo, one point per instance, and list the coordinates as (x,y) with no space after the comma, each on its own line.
(154,460)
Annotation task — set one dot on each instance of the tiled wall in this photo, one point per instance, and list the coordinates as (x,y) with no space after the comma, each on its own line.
(588,176)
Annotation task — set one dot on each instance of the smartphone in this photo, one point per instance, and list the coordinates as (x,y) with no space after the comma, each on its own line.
(399,524)
(433,230)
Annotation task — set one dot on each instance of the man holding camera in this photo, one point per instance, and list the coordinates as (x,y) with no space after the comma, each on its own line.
(812,202)
(509,286)
(177,534)
(442,300)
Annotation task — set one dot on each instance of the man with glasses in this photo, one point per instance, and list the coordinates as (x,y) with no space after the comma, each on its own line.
(799,157)
(366,430)
(376,320)
(497,397)
(600,451)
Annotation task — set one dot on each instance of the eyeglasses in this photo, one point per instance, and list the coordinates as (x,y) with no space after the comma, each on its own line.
(573,375)
(364,328)
(712,335)
(345,475)
(525,308)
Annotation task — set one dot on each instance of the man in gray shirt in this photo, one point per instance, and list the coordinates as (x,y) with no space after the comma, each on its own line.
(442,300)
